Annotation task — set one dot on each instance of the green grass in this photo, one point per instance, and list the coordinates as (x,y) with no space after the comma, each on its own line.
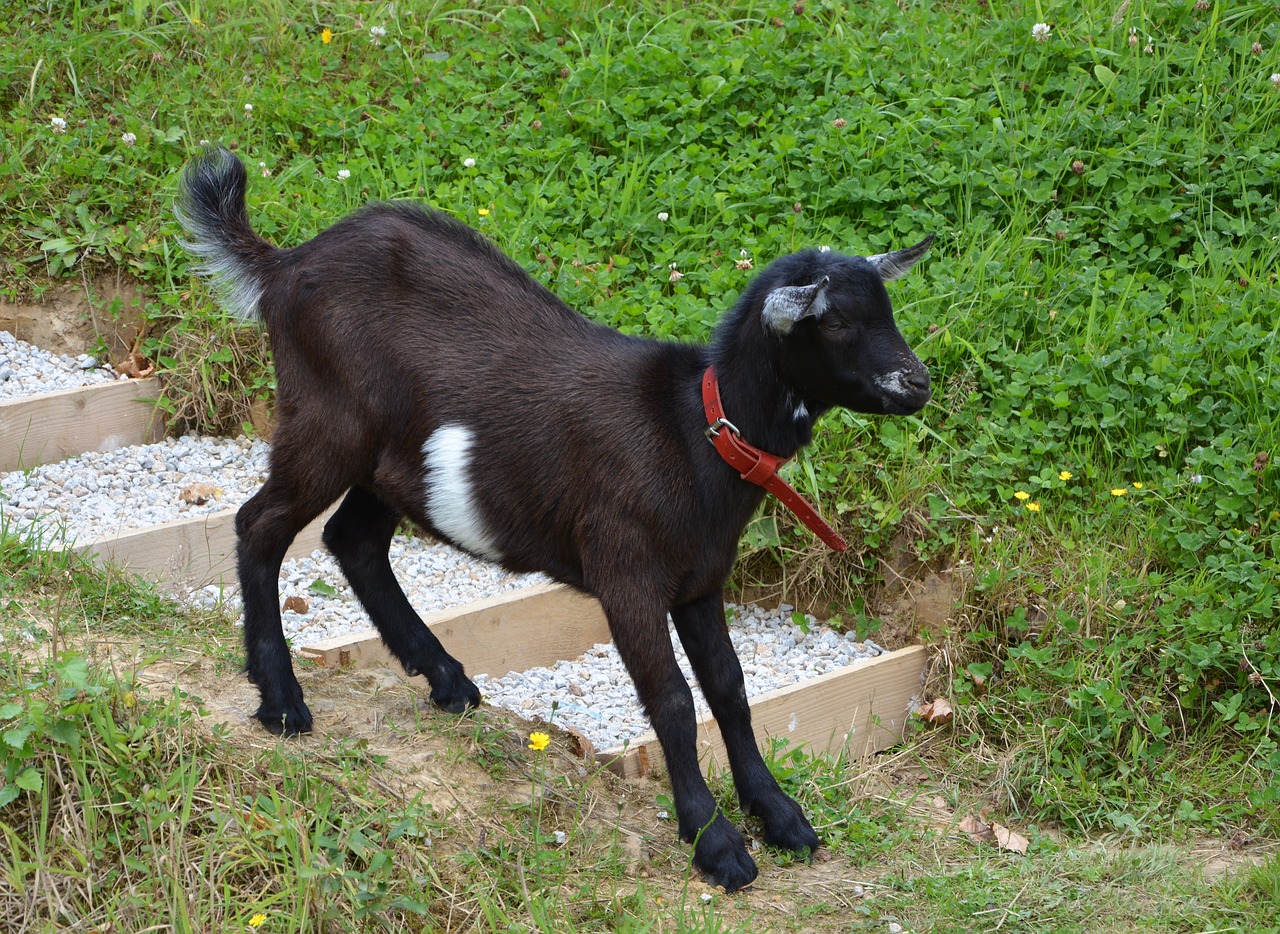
(1101,304)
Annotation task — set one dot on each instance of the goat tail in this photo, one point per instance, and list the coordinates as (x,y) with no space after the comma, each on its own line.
(211,208)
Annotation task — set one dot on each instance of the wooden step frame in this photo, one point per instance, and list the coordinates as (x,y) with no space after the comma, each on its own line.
(52,426)
(857,710)
(187,554)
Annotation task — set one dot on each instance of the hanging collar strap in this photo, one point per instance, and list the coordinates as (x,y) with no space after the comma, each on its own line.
(757,466)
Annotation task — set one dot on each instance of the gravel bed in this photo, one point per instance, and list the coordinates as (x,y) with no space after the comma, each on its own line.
(26,370)
(594,694)
(104,493)
(321,604)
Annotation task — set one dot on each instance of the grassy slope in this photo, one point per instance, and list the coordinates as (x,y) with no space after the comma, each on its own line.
(1101,302)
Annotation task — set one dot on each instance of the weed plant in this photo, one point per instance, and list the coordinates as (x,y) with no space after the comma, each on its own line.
(1099,466)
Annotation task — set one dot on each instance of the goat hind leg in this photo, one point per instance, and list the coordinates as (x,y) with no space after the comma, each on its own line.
(702,629)
(265,527)
(359,535)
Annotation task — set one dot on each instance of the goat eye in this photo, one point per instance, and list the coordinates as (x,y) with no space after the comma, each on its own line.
(833,323)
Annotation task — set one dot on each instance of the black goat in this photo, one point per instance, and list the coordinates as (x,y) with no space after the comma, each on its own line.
(425,374)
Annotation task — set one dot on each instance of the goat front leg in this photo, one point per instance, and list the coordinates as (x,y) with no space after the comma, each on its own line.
(640,634)
(359,536)
(705,635)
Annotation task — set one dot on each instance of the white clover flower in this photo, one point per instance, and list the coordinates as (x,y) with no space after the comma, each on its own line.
(376,33)
(1275,80)
(1040,32)
(824,249)
(128,139)
(248,109)
(676,275)
(58,125)
(468,163)
(204,142)
(1150,46)
(266,172)
(344,174)
(663,215)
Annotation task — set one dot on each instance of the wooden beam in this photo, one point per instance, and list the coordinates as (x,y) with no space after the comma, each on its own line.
(189,553)
(528,628)
(859,709)
(56,425)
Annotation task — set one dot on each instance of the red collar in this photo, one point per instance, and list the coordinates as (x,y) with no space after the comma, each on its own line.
(757,466)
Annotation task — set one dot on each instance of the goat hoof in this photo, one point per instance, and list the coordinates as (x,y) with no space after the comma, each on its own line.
(721,856)
(289,721)
(459,700)
(786,828)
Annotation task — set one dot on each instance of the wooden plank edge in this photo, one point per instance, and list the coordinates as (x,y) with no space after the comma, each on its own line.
(186,554)
(874,698)
(514,631)
(52,426)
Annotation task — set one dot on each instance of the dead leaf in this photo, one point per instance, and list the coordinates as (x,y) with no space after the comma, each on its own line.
(579,744)
(295,605)
(135,366)
(1001,836)
(976,828)
(1010,840)
(936,711)
(197,494)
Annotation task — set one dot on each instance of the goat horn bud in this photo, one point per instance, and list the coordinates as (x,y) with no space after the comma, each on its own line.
(897,264)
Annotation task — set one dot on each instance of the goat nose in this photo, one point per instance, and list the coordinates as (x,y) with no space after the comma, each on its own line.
(918,380)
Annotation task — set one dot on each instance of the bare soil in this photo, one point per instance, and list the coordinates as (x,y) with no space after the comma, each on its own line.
(74,317)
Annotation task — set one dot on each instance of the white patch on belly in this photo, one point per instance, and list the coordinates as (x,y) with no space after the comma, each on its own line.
(451,502)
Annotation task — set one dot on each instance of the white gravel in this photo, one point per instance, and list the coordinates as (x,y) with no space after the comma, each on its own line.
(434,577)
(101,494)
(26,369)
(594,694)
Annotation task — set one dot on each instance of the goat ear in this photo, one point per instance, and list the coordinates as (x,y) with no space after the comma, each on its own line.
(897,264)
(786,305)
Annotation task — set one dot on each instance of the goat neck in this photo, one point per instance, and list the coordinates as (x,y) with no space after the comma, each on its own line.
(756,396)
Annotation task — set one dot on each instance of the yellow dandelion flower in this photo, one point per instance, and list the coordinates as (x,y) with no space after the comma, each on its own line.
(1022,495)
(1033,507)
(1137,484)
(1120,491)
(539,741)
(326,35)
(1065,475)
(484,212)
(258,920)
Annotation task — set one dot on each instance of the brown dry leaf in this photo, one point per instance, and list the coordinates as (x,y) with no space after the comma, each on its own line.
(937,711)
(976,828)
(135,366)
(295,605)
(1010,840)
(197,494)
(579,744)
